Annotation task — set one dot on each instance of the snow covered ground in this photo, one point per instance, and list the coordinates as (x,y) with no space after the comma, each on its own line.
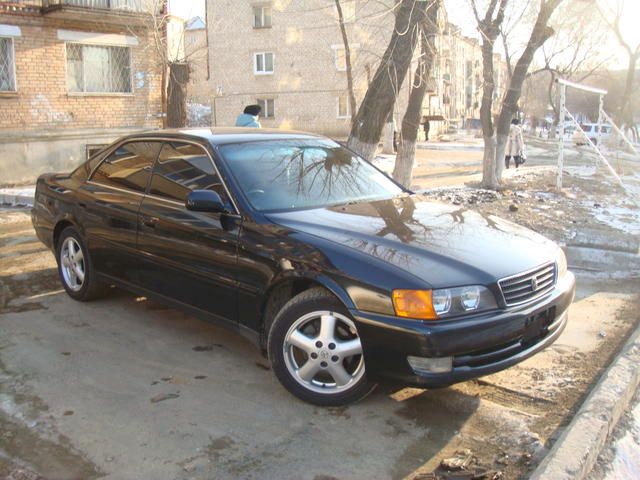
(17,195)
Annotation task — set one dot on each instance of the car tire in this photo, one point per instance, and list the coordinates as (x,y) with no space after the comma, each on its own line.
(75,268)
(315,350)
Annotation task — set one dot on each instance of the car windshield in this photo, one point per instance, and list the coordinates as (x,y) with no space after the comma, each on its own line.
(278,175)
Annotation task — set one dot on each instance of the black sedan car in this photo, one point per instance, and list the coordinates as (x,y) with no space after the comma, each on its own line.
(339,274)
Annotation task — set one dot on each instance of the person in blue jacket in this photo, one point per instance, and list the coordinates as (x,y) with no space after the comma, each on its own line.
(249,118)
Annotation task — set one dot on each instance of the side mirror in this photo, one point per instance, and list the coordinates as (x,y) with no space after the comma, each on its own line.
(205,201)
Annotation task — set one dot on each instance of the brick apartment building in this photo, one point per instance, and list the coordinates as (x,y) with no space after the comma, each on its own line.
(289,58)
(73,73)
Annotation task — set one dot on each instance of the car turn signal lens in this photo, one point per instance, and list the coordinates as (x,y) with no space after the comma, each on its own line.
(414,304)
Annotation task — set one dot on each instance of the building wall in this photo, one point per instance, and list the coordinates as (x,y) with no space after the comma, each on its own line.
(42,112)
(196,53)
(306,84)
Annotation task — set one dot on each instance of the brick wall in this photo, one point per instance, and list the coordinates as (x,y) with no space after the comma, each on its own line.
(42,101)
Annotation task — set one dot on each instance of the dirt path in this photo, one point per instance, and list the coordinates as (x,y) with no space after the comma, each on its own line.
(126,388)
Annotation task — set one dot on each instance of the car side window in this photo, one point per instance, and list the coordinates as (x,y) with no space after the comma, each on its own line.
(182,167)
(129,166)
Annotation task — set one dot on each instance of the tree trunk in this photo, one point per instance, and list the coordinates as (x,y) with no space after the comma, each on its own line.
(405,159)
(489,180)
(177,95)
(625,116)
(387,135)
(347,59)
(486,116)
(375,107)
(540,34)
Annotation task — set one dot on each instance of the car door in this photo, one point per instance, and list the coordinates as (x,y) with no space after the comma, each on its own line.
(108,207)
(188,256)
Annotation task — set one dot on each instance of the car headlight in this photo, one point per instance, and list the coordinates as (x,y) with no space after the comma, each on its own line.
(442,303)
(561,263)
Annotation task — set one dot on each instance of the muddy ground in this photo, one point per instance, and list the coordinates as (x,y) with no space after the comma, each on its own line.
(125,388)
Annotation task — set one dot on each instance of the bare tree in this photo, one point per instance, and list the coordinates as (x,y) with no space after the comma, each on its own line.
(382,91)
(489,26)
(624,114)
(347,57)
(405,158)
(541,32)
(173,61)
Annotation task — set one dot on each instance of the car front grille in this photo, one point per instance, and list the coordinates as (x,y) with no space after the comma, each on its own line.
(528,286)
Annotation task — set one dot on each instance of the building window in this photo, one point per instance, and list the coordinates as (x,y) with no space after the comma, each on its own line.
(348,11)
(262,16)
(340,59)
(267,105)
(340,56)
(263,63)
(98,69)
(7,66)
(343,107)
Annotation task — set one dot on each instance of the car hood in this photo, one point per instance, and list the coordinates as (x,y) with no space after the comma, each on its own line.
(441,244)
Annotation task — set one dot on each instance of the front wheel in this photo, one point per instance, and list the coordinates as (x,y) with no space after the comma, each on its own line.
(315,350)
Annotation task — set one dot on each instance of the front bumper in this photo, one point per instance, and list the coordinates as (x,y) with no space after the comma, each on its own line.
(480,345)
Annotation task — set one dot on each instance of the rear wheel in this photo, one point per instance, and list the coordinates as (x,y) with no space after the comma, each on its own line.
(75,269)
(316,352)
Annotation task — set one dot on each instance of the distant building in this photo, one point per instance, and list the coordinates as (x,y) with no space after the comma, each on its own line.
(197,55)
(289,57)
(73,74)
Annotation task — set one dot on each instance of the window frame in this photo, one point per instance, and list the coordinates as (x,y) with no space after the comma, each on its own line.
(264,63)
(161,140)
(348,107)
(13,65)
(130,93)
(266,105)
(262,8)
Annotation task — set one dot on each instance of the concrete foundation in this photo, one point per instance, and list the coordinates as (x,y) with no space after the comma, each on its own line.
(25,156)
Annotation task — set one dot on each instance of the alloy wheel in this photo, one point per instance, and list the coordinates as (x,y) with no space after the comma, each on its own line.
(72,263)
(323,353)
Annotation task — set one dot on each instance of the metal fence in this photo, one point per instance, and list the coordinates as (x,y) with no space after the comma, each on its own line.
(122,5)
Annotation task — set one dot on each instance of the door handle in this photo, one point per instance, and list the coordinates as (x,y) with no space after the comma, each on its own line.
(150,221)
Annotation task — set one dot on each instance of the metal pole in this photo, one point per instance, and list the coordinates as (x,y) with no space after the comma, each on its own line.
(563,94)
(600,109)
(620,132)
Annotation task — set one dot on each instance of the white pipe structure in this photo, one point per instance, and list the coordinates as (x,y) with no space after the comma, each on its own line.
(620,132)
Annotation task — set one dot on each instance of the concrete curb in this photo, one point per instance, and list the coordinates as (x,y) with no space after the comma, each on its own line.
(575,453)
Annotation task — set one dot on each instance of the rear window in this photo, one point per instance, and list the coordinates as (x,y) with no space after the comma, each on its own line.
(129,166)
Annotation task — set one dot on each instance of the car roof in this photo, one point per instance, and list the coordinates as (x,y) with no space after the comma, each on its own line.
(226,135)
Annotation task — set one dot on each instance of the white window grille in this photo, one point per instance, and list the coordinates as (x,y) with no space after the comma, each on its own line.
(263,63)
(98,69)
(7,66)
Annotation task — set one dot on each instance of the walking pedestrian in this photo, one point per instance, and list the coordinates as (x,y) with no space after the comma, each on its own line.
(515,145)
(427,126)
(249,118)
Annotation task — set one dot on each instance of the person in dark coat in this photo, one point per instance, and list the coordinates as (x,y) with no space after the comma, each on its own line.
(427,126)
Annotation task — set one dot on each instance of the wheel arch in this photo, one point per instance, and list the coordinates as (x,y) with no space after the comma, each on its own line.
(60,225)
(285,288)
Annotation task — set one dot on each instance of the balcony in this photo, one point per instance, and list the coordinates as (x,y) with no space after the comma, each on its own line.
(127,12)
